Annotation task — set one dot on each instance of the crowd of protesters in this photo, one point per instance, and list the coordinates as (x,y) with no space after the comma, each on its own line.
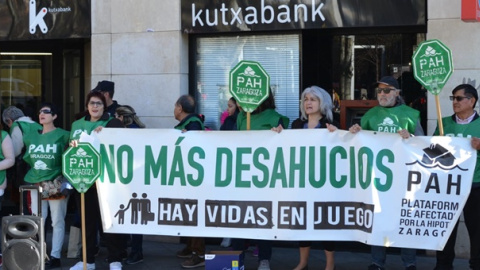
(316,111)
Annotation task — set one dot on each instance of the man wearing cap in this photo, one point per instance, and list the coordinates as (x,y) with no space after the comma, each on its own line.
(393,116)
(464,123)
(107,88)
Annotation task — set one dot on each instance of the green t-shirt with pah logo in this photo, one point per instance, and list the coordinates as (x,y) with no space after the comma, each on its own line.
(391,119)
(44,154)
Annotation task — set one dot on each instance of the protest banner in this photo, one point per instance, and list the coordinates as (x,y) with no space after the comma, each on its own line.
(371,187)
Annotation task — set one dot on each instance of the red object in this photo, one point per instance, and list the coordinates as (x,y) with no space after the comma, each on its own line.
(470,11)
(223,116)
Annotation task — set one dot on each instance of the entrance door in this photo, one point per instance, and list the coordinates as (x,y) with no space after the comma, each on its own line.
(25,82)
(33,72)
(72,82)
(24,79)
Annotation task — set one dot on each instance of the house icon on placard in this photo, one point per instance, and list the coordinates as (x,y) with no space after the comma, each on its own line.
(437,154)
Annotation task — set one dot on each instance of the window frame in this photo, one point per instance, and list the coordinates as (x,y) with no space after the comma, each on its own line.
(192,83)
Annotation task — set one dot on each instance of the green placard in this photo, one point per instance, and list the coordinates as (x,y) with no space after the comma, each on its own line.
(81,166)
(249,84)
(432,65)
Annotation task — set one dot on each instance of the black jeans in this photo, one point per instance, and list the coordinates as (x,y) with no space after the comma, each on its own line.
(116,243)
(471,213)
(137,243)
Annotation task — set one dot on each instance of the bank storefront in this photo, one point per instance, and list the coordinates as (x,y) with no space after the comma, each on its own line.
(42,45)
(344,46)
(41,54)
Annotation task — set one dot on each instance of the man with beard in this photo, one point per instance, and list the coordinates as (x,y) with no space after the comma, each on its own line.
(391,115)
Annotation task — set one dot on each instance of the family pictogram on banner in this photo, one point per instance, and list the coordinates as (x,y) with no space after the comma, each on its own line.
(136,205)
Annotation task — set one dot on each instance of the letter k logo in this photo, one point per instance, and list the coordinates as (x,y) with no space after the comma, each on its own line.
(37,19)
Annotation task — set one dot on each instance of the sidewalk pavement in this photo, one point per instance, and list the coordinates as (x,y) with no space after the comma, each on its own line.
(161,255)
(159,252)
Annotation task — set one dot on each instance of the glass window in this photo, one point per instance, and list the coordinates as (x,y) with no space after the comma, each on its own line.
(21,83)
(216,56)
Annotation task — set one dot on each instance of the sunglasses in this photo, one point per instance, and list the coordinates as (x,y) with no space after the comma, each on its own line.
(384,90)
(45,111)
(458,98)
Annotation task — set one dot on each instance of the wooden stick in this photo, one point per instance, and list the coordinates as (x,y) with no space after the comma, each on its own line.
(439,115)
(248,121)
(84,238)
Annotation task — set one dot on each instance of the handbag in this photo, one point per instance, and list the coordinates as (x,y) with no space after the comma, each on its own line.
(51,189)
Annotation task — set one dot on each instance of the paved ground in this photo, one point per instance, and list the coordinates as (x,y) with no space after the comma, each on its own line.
(161,255)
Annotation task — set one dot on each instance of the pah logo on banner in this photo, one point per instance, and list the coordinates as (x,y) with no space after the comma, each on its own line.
(37,19)
(436,156)
(429,216)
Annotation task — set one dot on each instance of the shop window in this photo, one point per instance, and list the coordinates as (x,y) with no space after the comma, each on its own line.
(216,56)
(20,84)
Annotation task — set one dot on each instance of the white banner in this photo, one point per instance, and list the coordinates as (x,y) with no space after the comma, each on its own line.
(370,187)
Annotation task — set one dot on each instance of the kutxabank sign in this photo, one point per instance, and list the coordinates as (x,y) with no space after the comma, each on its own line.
(432,65)
(45,19)
(81,166)
(249,84)
(371,187)
(208,16)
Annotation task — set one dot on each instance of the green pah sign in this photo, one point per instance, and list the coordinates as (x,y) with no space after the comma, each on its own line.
(249,84)
(432,65)
(81,166)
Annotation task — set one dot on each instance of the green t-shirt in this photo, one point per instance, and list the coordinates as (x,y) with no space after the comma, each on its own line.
(86,126)
(189,119)
(391,119)
(3,173)
(262,121)
(44,154)
(26,127)
(472,129)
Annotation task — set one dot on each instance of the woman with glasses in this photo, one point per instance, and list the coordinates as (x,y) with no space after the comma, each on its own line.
(317,112)
(44,149)
(96,118)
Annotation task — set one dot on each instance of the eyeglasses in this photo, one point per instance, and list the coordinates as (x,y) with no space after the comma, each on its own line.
(385,90)
(95,103)
(45,111)
(458,98)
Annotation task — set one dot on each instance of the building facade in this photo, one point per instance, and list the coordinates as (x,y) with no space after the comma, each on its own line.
(445,23)
(448,22)
(156,51)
